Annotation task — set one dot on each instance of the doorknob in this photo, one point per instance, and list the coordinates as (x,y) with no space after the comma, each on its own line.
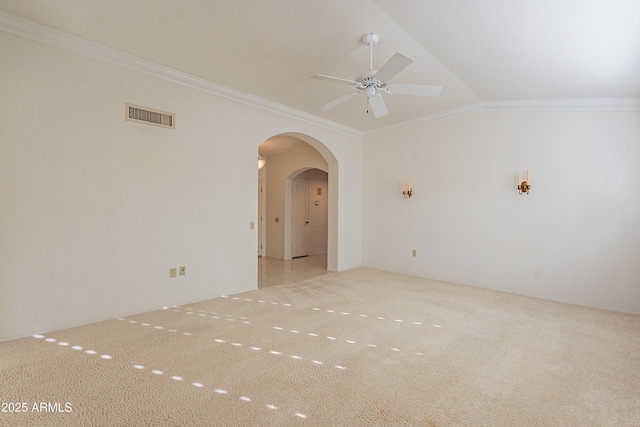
(306,222)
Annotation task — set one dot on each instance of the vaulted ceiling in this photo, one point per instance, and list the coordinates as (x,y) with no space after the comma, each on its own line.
(478,51)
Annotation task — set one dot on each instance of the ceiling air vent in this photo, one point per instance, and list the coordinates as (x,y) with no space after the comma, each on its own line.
(146,115)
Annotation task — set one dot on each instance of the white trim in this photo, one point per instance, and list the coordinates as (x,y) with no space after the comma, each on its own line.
(49,36)
(576,104)
(437,117)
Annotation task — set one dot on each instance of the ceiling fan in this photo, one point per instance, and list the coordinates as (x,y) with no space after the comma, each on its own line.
(371,82)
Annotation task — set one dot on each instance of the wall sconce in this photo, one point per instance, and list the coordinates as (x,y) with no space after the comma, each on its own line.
(524,186)
(261,162)
(407,191)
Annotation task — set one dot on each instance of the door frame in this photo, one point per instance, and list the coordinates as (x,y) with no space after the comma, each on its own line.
(307,228)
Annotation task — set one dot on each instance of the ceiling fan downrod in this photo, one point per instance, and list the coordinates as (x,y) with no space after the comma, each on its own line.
(370,39)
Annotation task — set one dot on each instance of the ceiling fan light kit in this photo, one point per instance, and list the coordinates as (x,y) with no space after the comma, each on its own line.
(371,82)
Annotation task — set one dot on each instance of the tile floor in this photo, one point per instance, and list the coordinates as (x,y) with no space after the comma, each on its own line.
(273,271)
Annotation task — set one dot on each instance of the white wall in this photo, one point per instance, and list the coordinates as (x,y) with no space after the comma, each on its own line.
(95,209)
(574,238)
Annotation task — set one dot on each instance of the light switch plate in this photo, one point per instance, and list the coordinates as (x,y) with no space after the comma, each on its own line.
(182,270)
(172,272)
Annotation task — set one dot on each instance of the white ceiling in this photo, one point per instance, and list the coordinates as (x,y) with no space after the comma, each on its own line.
(479,51)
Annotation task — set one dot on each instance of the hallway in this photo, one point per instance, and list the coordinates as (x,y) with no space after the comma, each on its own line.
(273,271)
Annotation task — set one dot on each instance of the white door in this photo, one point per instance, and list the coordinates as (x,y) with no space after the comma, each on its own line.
(300,219)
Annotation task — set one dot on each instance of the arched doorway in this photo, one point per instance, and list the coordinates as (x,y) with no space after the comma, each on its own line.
(287,156)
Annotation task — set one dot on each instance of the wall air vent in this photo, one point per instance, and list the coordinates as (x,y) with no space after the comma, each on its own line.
(146,115)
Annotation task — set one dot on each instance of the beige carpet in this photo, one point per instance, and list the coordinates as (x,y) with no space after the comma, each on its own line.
(358,348)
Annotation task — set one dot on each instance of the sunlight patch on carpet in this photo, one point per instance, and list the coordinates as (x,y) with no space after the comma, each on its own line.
(274,352)
(74,347)
(348,341)
(345,313)
(156,327)
(219,391)
(213,315)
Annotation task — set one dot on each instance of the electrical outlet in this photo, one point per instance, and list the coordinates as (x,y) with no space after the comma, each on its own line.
(183,270)
(252,225)
(172,272)
(413,253)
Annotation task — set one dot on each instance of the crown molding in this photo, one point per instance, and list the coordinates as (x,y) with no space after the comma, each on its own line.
(39,33)
(36,32)
(453,113)
(577,104)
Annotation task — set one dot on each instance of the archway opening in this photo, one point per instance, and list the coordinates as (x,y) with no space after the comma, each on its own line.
(297,160)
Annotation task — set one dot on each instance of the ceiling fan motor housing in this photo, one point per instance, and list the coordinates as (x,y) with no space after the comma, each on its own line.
(366,78)
(368,83)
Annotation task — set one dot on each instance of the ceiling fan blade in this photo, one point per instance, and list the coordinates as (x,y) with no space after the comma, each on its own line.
(378,106)
(417,90)
(334,79)
(393,66)
(338,101)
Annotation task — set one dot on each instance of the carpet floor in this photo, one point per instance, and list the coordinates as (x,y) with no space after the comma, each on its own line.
(357,348)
